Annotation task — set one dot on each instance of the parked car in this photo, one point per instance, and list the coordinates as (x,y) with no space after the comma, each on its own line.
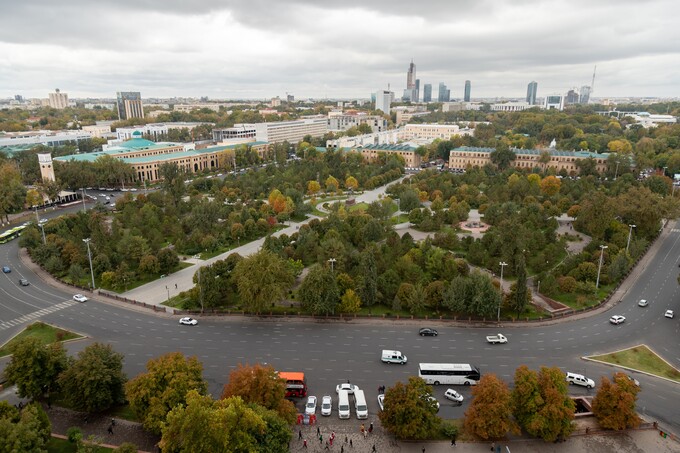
(669,314)
(643,303)
(23,282)
(80,298)
(454,396)
(6,269)
(493,339)
(310,407)
(326,405)
(186,321)
(346,386)
(427,332)
(616,319)
(580,379)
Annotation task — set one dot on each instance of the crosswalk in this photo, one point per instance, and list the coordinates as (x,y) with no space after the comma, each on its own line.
(36,314)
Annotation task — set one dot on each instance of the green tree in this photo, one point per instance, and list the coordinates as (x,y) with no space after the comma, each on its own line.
(526,397)
(614,403)
(262,279)
(319,291)
(34,367)
(350,302)
(95,380)
(28,431)
(417,300)
(12,190)
(367,287)
(165,385)
(167,260)
(409,413)
(520,296)
(489,415)
(172,181)
(502,156)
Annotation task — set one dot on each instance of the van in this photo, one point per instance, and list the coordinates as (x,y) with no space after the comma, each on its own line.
(580,379)
(360,405)
(343,404)
(389,356)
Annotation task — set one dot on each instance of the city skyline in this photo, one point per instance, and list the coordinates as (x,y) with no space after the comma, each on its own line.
(168,49)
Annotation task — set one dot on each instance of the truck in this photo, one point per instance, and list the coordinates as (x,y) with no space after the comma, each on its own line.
(389,356)
(296,386)
(499,338)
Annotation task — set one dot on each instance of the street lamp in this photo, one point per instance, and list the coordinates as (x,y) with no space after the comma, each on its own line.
(332,261)
(630,231)
(42,228)
(502,264)
(168,290)
(602,247)
(37,217)
(83,192)
(89,257)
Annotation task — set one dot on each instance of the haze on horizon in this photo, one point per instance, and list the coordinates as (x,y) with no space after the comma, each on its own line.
(257,49)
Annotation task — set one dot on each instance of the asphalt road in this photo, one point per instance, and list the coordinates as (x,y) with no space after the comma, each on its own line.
(332,352)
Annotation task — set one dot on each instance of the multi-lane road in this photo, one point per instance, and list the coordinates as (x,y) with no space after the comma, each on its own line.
(332,352)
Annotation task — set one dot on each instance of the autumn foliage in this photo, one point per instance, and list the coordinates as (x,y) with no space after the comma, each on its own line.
(614,404)
(489,415)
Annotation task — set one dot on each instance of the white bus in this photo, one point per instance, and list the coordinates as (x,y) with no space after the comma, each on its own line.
(449,373)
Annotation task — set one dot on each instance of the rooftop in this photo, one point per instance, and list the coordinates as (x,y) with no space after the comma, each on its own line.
(553,152)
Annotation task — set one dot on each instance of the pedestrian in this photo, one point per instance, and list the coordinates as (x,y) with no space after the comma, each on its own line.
(113,422)
(453,441)
(110,429)
(175,285)
(345,438)
(370,428)
(326,446)
(320,439)
(493,446)
(423,449)
(363,428)
(342,449)
(350,443)
(300,435)
(318,431)
(331,441)
(333,435)
(304,443)
(365,434)
(373,448)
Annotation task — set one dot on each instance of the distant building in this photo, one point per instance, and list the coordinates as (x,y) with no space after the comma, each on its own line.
(571,98)
(411,77)
(190,107)
(454,106)
(371,153)
(274,132)
(584,96)
(404,114)
(47,138)
(129,105)
(58,100)
(554,101)
(155,131)
(428,131)
(101,129)
(427,92)
(652,120)
(46,167)
(417,95)
(345,121)
(388,137)
(276,102)
(531,93)
(444,94)
(383,100)
(468,87)
(290,98)
(510,106)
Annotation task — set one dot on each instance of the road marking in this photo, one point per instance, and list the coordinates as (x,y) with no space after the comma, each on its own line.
(35,315)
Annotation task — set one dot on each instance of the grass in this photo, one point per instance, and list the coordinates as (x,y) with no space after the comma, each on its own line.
(44,332)
(641,358)
(56,445)
(578,301)
(125,412)
(358,207)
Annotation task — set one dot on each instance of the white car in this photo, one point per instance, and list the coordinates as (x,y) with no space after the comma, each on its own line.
(643,303)
(188,321)
(454,396)
(80,298)
(669,314)
(326,405)
(346,386)
(580,379)
(616,319)
(310,407)
(381,401)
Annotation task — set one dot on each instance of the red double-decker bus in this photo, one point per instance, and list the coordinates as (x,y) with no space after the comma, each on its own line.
(295,383)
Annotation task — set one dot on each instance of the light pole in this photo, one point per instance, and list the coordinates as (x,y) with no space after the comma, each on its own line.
(502,264)
(664,170)
(37,217)
(89,257)
(42,228)
(630,232)
(332,261)
(616,173)
(168,290)
(83,192)
(602,247)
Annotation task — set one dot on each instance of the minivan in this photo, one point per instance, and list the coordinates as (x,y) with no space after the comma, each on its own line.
(343,404)
(360,405)
(393,357)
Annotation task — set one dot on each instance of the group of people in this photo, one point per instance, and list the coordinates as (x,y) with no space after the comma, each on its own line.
(331,438)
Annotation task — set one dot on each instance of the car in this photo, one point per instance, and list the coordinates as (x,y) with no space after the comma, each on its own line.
(102,195)
(80,298)
(346,386)
(326,405)
(381,401)
(454,396)
(643,303)
(579,379)
(310,407)
(6,269)
(186,321)
(616,319)
(23,282)
(43,221)
(669,314)
(133,189)
(633,380)
(428,332)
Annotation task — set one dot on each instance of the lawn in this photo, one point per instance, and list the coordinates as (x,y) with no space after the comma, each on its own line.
(56,445)
(641,358)
(44,332)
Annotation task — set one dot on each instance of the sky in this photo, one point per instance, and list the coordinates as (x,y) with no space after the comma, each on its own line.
(257,49)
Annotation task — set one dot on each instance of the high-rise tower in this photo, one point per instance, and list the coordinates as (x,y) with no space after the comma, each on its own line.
(531,92)
(411,76)
(129,105)
(427,92)
(466,97)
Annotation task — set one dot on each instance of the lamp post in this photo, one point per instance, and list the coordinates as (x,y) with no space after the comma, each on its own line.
(89,257)
(502,264)
(37,217)
(538,289)
(83,192)
(168,290)
(630,232)
(664,170)
(332,261)
(602,247)
(42,228)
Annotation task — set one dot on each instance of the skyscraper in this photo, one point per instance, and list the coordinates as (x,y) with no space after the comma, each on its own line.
(417,96)
(383,100)
(466,97)
(129,105)
(444,94)
(427,92)
(58,100)
(531,92)
(411,76)
(584,96)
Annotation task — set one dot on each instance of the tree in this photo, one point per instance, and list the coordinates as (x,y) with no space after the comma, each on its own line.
(550,185)
(520,296)
(319,291)
(165,385)
(12,190)
(34,367)
(172,180)
(28,431)
(502,156)
(350,302)
(260,385)
(167,260)
(351,183)
(95,380)
(367,287)
(614,403)
(489,415)
(331,184)
(409,413)
(313,187)
(409,200)
(261,279)
(526,397)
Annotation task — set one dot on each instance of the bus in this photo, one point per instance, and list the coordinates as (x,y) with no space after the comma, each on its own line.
(296,386)
(12,233)
(449,373)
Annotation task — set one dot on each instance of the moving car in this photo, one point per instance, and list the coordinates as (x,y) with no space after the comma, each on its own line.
(186,321)
(6,269)
(80,298)
(346,386)
(389,356)
(643,303)
(310,407)
(580,379)
(616,319)
(326,405)
(669,314)
(23,282)
(427,332)
(493,339)
(381,401)
(454,396)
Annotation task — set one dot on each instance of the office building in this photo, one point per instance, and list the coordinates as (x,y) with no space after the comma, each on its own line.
(531,92)
(371,153)
(383,100)
(584,96)
(429,131)
(444,94)
(153,131)
(427,92)
(411,76)
(510,106)
(58,100)
(417,94)
(571,98)
(468,87)
(342,122)
(554,101)
(274,132)
(129,105)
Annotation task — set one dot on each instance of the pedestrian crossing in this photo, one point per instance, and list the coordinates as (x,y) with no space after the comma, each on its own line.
(36,314)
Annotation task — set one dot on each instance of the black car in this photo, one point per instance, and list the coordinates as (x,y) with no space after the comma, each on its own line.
(427,332)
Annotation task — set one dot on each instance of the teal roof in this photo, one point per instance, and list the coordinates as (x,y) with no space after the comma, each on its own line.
(388,148)
(137,143)
(553,152)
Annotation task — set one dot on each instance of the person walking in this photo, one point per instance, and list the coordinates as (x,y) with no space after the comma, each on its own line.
(453,441)
(304,443)
(300,435)
(318,431)
(423,449)
(350,443)
(363,428)
(373,448)
(110,430)
(342,449)
(370,428)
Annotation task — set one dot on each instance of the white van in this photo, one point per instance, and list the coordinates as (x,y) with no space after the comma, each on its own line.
(343,404)
(360,405)
(389,356)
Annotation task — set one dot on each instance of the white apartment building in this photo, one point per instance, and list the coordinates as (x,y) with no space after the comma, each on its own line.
(383,100)
(651,119)
(189,107)
(155,130)
(275,132)
(429,131)
(342,122)
(102,129)
(47,138)
(58,100)
(389,137)
(511,106)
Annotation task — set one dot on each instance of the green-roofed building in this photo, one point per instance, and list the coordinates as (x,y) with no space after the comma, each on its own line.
(407,152)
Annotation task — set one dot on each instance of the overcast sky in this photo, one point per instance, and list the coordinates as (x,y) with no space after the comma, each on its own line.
(337,49)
